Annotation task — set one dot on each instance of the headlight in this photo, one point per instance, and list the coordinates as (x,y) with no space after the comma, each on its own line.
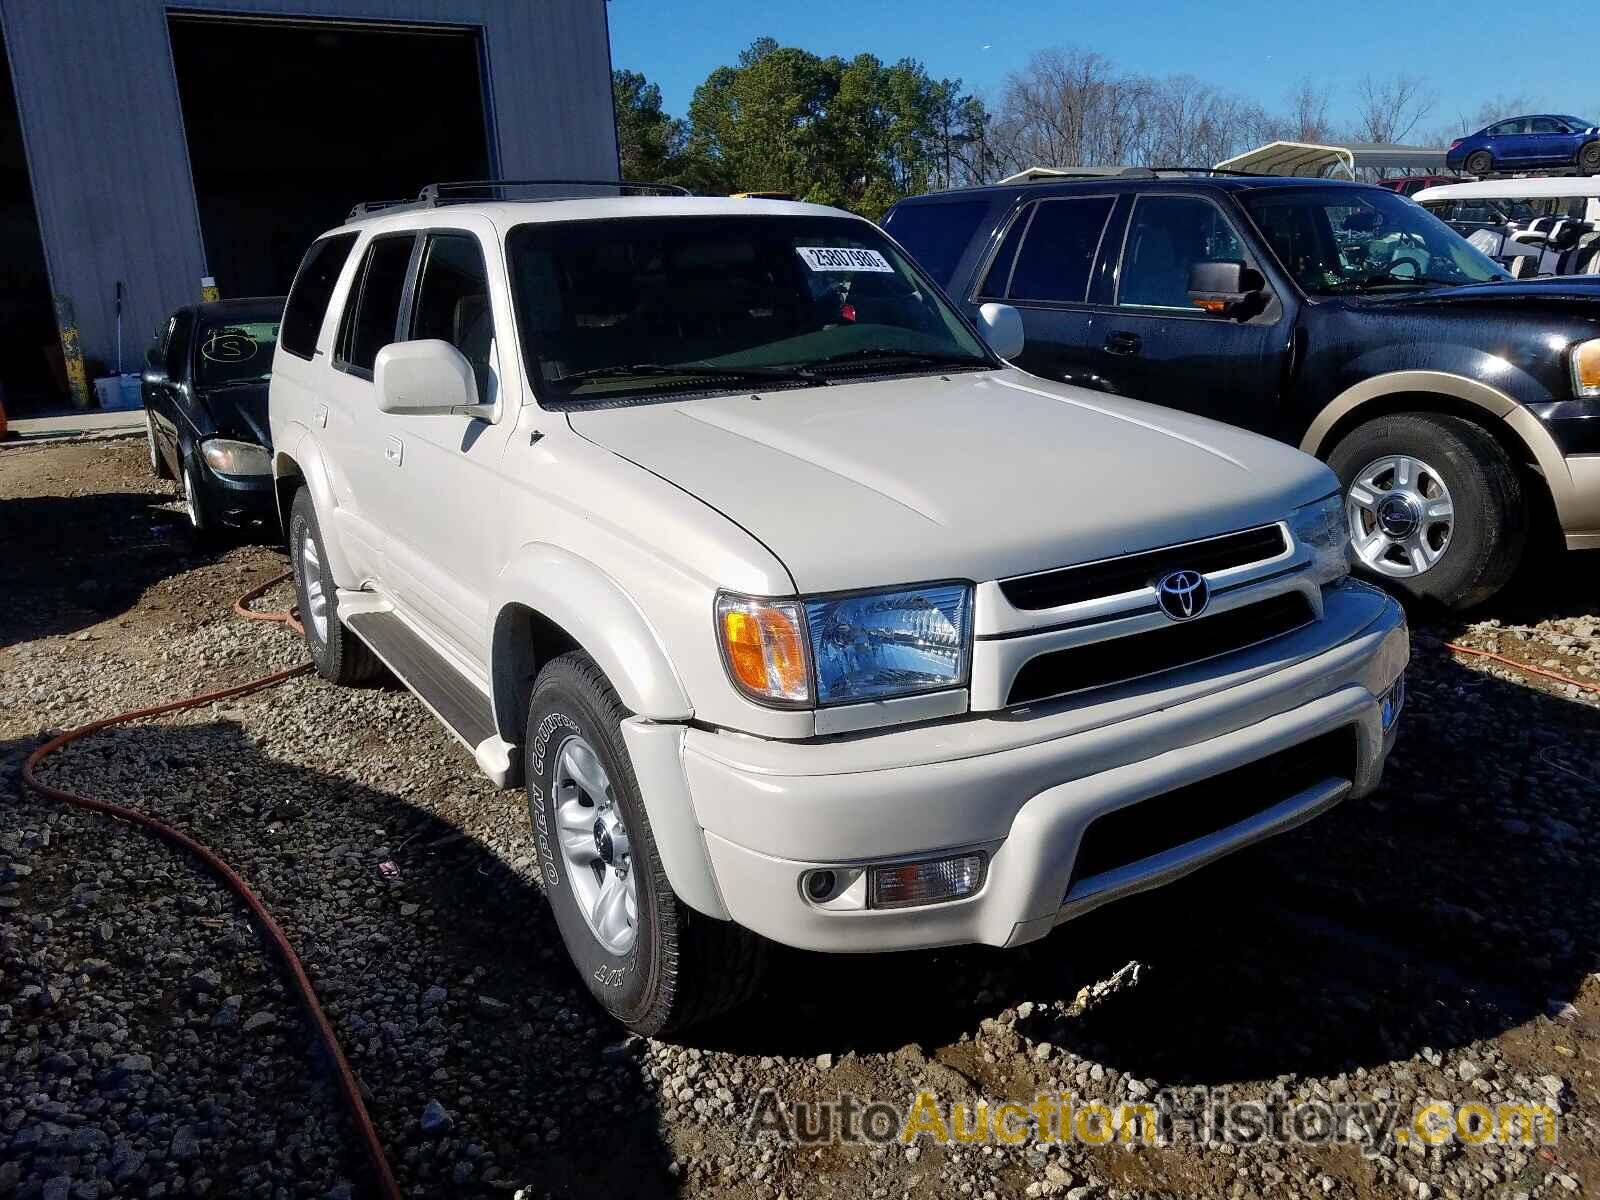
(1322,529)
(876,645)
(228,457)
(1586,368)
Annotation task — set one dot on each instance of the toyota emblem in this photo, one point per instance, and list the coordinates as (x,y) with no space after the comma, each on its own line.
(1183,595)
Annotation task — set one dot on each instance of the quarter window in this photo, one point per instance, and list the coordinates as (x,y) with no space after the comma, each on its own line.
(1058,250)
(452,301)
(308,298)
(1166,238)
(372,312)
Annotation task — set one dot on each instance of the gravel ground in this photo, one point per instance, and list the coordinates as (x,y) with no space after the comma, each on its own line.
(1436,941)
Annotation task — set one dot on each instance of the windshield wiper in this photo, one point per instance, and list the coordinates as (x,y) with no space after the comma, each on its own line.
(693,371)
(927,358)
(1369,283)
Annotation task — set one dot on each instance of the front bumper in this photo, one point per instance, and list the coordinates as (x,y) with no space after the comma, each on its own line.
(247,502)
(1023,787)
(1581,518)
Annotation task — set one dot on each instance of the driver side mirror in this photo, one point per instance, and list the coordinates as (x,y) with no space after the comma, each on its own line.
(1228,288)
(427,377)
(1001,326)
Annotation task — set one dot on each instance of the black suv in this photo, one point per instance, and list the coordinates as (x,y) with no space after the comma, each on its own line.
(1455,403)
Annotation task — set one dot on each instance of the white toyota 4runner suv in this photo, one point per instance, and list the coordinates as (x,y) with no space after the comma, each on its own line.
(802,616)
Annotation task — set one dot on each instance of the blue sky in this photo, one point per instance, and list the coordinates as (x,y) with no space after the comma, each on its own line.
(1468,50)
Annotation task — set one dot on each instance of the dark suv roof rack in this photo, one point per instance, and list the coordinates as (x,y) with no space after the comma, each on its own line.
(467,190)
(1157,172)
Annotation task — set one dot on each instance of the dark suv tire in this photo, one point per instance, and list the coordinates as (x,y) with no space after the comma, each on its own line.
(339,655)
(1479,162)
(1435,506)
(650,961)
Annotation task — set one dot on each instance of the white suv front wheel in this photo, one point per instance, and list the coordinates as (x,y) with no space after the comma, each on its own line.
(651,962)
(339,655)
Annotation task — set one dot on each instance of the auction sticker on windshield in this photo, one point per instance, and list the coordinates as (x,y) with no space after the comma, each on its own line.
(843,258)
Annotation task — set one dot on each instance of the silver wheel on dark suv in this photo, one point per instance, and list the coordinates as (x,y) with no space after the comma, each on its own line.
(1434,504)
(1401,516)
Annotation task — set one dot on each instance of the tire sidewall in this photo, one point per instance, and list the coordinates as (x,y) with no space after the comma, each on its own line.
(625,985)
(1589,156)
(1478,156)
(1456,574)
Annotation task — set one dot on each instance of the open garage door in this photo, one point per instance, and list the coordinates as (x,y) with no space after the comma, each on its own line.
(31,376)
(290,122)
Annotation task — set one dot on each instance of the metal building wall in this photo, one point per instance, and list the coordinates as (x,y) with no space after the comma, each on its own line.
(109,164)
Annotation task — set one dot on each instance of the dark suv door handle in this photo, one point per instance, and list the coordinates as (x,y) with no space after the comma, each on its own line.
(1123,343)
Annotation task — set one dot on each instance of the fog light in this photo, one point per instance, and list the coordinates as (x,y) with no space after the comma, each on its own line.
(819,885)
(1391,702)
(929,882)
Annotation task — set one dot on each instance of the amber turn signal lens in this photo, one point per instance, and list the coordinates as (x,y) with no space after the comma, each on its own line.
(1586,368)
(763,642)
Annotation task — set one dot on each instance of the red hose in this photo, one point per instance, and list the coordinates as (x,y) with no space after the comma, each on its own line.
(387,1187)
(1525,668)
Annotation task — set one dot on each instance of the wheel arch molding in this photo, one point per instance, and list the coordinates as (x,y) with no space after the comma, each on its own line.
(1505,419)
(549,600)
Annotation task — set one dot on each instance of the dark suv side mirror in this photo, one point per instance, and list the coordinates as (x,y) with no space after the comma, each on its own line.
(1228,288)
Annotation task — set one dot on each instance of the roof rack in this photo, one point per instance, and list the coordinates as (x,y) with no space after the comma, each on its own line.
(467,190)
(1157,172)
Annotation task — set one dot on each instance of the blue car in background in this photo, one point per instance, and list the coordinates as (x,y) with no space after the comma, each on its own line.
(1518,143)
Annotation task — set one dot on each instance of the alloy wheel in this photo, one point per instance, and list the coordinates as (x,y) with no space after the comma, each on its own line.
(191,502)
(595,846)
(1401,516)
(311,576)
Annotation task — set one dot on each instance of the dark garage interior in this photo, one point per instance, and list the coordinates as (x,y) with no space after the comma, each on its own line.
(291,122)
(30,353)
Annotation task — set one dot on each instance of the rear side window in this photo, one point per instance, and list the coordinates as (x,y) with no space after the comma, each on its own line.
(937,234)
(373,310)
(452,301)
(1058,250)
(308,298)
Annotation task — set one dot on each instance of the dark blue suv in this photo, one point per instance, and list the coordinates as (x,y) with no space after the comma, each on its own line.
(1456,404)
(1518,143)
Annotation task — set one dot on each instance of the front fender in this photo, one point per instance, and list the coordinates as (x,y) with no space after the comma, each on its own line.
(595,612)
(296,455)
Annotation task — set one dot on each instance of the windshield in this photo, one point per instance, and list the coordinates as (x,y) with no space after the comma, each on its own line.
(235,352)
(652,305)
(1339,240)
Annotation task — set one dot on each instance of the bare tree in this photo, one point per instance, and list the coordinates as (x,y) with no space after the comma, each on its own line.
(1307,118)
(1387,111)
(1072,107)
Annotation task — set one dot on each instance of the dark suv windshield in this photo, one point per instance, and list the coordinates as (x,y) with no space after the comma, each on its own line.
(1342,240)
(642,306)
(236,351)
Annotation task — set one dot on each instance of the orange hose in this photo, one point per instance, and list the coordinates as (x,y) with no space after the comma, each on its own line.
(351,1090)
(1525,668)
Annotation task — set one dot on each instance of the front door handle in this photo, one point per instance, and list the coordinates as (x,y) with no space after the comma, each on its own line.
(1123,343)
(393,451)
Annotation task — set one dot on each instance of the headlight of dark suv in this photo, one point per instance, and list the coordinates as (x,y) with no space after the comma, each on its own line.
(848,648)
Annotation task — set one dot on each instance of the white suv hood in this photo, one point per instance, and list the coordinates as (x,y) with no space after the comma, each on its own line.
(978,476)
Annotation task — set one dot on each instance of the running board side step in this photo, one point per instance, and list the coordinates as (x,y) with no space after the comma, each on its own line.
(462,708)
